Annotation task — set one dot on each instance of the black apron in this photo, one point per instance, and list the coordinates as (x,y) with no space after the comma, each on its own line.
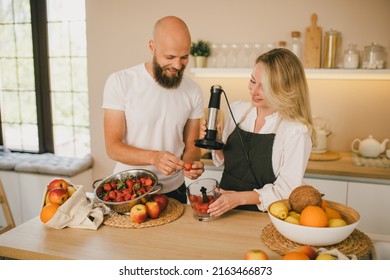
(237,174)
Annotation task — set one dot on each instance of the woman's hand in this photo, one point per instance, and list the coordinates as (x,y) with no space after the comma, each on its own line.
(193,170)
(203,128)
(227,201)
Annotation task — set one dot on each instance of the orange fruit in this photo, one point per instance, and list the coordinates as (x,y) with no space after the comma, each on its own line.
(48,211)
(295,255)
(323,204)
(332,213)
(313,216)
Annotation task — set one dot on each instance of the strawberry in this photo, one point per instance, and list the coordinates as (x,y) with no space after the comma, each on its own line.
(112,195)
(148,181)
(188,166)
(107,187)
(130,183)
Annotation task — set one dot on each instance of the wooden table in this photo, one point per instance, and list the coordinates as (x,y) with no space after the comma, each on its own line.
(227,237)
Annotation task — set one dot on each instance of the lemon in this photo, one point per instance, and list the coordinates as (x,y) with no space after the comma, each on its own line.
(336,223)
(279,209)
(292,220)
(294,214)
(323,257)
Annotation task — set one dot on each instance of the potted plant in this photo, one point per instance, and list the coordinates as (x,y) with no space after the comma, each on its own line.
(200,50)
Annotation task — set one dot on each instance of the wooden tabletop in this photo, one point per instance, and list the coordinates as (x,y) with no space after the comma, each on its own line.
(186,238)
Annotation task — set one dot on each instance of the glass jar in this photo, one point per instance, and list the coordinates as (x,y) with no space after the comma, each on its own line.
(331,49)
(373,57)
(351,57)
(296,44)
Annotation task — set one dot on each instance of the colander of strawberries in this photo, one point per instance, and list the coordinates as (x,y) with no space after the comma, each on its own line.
(123,190)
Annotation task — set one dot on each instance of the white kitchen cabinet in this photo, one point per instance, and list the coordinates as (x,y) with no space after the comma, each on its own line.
(31,192)
(332,189)
(372,201)
(10,182)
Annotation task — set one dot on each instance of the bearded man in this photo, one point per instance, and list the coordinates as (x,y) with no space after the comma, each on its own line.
(152,111)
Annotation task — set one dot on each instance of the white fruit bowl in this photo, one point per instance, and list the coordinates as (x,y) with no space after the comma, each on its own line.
(317,236)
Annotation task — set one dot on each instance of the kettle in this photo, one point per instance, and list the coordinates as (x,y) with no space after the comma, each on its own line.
(321,135)
(369,147)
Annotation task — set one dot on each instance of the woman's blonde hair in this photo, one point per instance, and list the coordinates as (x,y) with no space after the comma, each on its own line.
(285,86)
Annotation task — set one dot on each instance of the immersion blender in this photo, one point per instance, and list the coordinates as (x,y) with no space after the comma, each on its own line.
(210,141)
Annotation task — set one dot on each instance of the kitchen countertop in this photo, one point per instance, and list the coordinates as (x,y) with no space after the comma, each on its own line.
(341,169)
(227,237)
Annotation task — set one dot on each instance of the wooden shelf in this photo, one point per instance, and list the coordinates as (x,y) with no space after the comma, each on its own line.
(312,74)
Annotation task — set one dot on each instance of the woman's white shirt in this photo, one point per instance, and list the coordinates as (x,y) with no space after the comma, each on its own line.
(291,150)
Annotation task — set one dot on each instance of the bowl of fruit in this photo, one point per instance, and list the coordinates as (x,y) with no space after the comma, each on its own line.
(201,194)
(314,222)
(121,191)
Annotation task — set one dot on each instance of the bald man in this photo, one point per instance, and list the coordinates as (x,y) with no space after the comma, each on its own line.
(152,111)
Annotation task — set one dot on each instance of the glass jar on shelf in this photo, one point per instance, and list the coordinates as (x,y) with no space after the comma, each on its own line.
(296,44)
(351,57)
(373,57)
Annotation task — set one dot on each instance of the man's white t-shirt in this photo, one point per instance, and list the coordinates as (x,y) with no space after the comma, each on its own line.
(155,116)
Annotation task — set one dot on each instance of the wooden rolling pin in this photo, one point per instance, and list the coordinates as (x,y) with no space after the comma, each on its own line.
(312,54)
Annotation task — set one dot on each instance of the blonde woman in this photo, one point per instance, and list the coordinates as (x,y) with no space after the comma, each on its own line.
(268,140)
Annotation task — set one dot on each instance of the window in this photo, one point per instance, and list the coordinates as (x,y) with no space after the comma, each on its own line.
(43,77)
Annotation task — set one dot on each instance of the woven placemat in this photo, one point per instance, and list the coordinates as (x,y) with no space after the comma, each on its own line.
(381,161)
(357,243)
(325,156)
(173,211)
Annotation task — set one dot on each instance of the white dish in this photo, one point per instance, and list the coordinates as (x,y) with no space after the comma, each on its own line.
(381,251)
(317,236)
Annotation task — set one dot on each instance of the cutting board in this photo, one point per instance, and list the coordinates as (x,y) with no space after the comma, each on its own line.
(312,54)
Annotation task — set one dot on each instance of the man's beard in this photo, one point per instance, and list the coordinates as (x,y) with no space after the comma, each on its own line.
(165,81)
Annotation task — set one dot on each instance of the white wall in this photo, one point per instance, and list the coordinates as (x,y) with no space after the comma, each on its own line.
(118,32)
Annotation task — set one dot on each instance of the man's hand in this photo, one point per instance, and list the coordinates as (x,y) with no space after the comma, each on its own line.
(168,163)
(193,170)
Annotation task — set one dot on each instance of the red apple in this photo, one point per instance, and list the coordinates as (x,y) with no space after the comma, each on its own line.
(57,183)
(162,199)
(256,254)
(138,213)
(154,209)
(309,251)
(58,195)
